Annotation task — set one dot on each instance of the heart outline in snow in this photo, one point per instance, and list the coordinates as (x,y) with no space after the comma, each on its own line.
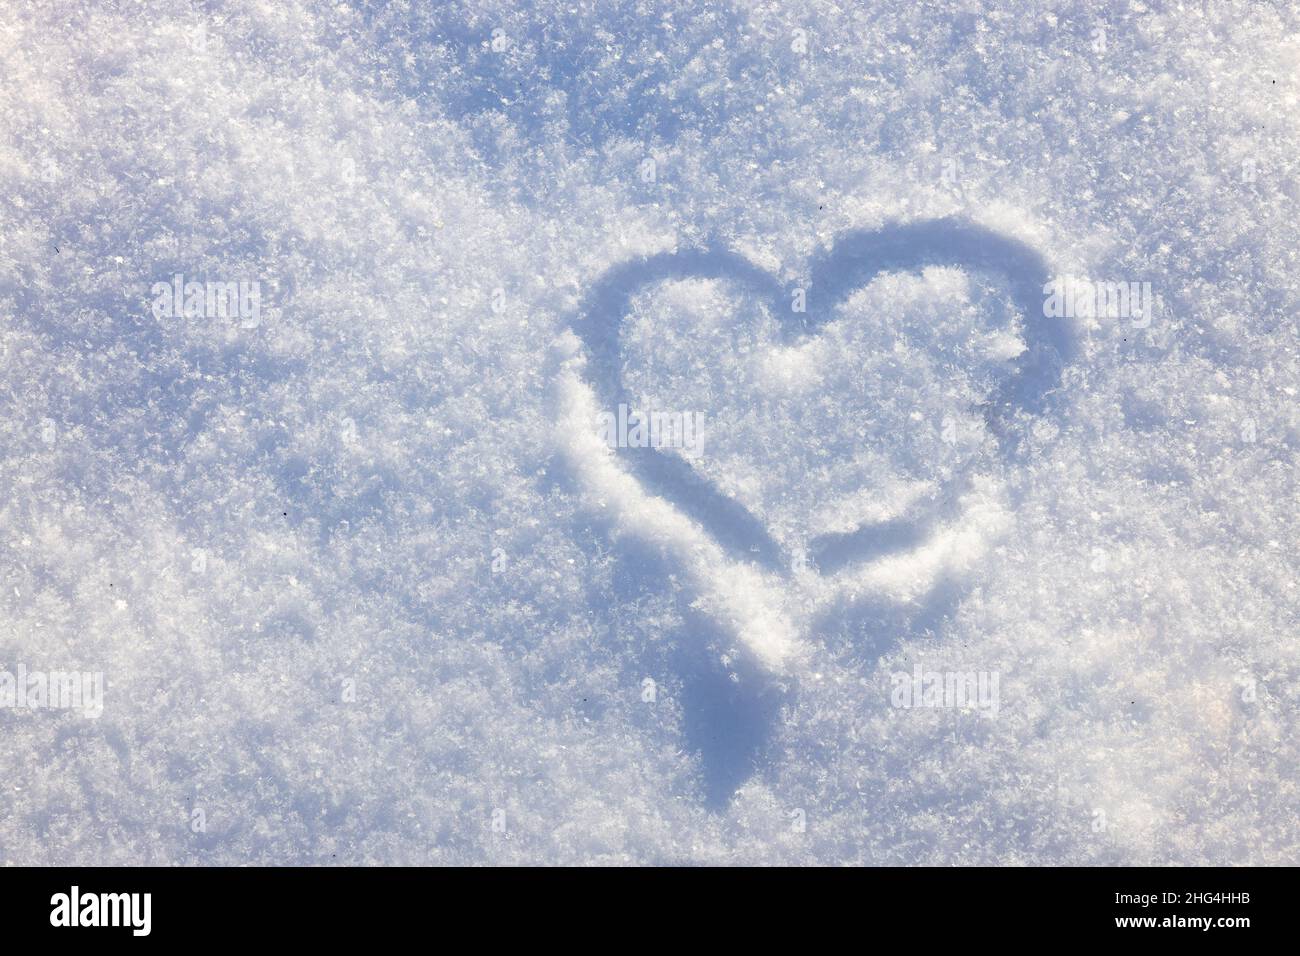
(851,263)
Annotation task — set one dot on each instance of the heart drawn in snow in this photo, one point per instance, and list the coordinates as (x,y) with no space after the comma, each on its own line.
(855,259)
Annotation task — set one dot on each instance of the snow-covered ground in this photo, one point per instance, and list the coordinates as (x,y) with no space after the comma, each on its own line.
(361,579)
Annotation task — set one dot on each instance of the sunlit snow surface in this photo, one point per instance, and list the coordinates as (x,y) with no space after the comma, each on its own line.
(366,587)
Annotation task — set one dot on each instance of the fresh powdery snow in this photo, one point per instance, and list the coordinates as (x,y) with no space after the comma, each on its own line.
(636,433)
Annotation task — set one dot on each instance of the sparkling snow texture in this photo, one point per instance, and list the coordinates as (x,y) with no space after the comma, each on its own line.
(366,587)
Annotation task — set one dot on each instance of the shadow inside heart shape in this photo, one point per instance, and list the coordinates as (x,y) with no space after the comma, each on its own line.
(854,261)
